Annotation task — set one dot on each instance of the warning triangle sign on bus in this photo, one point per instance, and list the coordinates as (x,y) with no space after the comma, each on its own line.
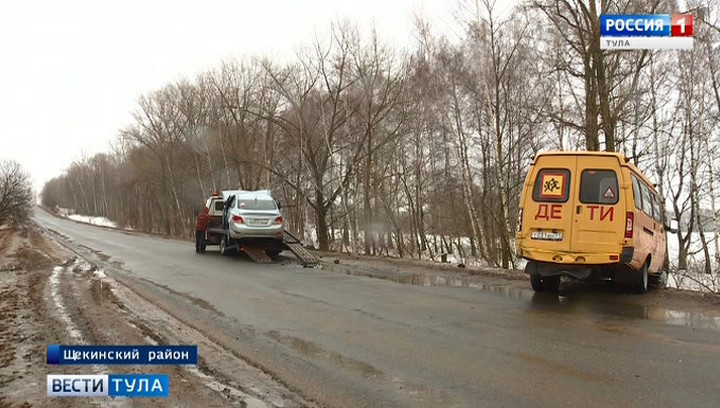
(609,193)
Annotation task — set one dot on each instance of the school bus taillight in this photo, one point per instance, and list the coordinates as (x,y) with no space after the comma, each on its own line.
(519,221)
(629,220)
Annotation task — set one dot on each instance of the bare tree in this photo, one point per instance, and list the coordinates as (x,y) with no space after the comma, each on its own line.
(16,196)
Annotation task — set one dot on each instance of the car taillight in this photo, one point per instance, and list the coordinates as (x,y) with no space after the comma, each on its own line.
(279,220)
(237,219)
(519,221)
(629,220)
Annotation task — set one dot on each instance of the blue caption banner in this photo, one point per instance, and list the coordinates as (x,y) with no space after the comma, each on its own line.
(635,25)
(139,385)
(112,385)
(126,355)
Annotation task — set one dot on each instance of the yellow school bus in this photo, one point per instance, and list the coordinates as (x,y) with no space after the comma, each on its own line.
(590,214)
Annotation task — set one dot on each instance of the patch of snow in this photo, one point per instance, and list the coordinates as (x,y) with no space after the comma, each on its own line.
(695,281)
(100,221)
(695,258)
(693,278)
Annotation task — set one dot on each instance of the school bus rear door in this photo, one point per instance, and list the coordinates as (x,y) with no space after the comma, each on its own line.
(599,210)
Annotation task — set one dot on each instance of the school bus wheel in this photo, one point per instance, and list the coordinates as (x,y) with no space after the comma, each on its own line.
(544,283)
(641,285)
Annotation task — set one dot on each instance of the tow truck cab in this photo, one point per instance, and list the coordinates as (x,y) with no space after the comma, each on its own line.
(215,205)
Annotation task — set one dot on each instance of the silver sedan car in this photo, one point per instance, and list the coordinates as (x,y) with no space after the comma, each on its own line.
(254,215)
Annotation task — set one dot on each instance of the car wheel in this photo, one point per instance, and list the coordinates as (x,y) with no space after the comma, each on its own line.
(641,286)
(224,250)
(544,283)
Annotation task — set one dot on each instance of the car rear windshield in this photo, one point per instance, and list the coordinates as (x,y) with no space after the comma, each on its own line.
(552,185)
(599,187)
(256,204)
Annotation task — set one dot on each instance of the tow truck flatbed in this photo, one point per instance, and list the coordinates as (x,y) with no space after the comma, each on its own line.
(255,248)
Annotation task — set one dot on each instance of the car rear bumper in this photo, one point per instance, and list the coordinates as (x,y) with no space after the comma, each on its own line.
(242,231)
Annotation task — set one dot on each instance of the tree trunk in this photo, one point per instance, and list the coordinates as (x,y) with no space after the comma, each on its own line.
(321,225)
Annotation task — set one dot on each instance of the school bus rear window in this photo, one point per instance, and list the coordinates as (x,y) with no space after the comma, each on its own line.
(552,185)
(599,187)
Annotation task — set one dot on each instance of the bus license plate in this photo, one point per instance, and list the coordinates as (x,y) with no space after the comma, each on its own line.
(547,235)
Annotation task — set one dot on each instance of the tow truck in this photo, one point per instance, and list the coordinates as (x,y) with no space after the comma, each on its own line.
(251,222)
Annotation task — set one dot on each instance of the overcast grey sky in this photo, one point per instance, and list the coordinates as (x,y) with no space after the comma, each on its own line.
(72,70)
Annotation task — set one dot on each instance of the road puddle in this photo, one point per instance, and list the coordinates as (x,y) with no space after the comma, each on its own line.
(461,281)
(621,307)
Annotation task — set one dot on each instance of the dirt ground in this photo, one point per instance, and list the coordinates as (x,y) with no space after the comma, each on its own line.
(50,295)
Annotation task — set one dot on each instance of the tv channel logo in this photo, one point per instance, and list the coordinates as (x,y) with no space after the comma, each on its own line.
(108,385)
(646,31)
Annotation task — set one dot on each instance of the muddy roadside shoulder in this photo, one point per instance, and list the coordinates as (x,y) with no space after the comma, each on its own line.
(26,327)
(134,311)
(49,295)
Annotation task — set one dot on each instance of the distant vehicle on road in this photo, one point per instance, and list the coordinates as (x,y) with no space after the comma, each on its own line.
(590,214)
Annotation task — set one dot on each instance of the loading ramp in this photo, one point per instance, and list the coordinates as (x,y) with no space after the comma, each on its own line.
(295,246)
(257,254)
(255,250)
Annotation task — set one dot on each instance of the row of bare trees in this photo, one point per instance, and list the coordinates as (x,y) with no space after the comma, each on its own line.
(423,151)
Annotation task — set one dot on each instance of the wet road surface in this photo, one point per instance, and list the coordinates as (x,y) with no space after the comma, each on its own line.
(345,340)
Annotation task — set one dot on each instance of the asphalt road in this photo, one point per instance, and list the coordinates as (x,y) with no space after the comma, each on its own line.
(346,341)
